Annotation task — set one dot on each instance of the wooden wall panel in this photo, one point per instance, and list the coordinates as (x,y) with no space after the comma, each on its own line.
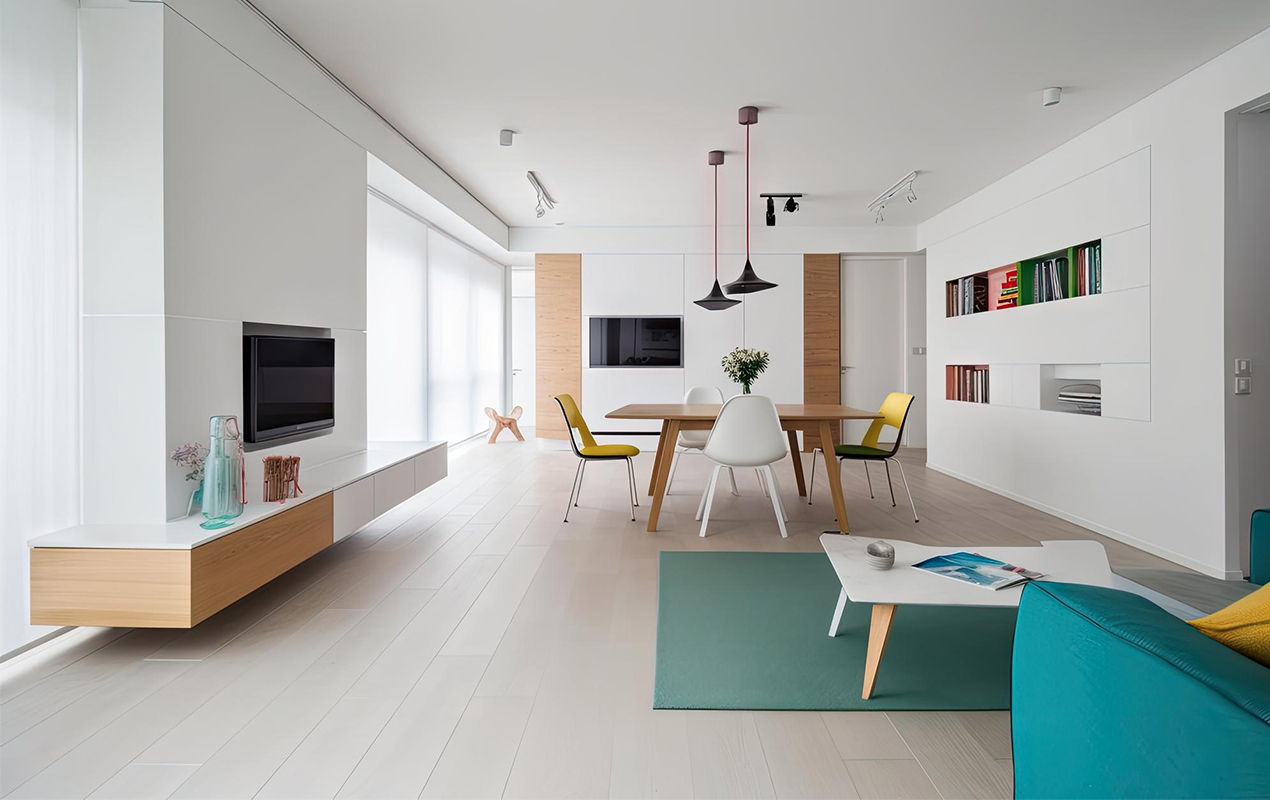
(558,321)
(822,335)
(233,566)
(112,588)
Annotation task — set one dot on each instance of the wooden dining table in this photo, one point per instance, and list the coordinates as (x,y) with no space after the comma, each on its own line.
(676,417)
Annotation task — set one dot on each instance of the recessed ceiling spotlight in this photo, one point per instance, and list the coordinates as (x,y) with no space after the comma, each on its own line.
(1052,96)
(559,223)
(505,137)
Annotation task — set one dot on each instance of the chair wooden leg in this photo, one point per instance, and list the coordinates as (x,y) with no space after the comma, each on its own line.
(515,428)
(493,435)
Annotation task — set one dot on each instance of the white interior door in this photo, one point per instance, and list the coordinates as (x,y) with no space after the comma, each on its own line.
(872,335)
(523,355)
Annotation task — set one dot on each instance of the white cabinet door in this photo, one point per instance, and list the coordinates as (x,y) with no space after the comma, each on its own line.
(430,467)
(354,506)
(393,486)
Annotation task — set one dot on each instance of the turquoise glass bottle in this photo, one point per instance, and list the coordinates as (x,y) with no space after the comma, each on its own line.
(224,476)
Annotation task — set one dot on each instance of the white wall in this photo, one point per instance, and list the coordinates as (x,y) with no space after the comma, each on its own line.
(39,293)
(915,381)
(1247,323)
(260,207)
(661,284)
(244,35)
(1156,482)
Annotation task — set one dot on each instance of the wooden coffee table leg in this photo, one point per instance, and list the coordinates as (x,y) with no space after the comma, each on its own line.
(833,474)
(879,632)
(664,455)
(661,443)
(798,463)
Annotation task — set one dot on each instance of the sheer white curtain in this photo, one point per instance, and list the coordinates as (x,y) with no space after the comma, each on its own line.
(465,339)
(39,292)
(396,324)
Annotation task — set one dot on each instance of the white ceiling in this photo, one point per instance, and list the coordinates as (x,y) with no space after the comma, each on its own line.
(616,104)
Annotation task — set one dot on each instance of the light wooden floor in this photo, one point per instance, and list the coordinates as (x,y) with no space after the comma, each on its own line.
(470,644)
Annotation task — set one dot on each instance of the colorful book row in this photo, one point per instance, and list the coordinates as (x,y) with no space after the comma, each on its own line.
(966,382)
(1073,272)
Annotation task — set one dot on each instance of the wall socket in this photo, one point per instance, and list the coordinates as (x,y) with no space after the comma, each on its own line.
(1243,385)
(1243,367)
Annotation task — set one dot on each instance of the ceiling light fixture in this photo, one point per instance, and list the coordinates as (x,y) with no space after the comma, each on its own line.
(1052,96)
(791,205)
(505,137)
(716,300)
(545,201)
(903,186)
(749,281)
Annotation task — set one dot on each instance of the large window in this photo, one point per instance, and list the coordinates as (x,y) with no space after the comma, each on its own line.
(465,339)
(434,336)
(396,324)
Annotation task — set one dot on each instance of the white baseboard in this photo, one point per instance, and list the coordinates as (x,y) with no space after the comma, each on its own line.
(1111,533)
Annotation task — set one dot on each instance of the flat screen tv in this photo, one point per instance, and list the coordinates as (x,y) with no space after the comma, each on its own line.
(288,386)
(636,342)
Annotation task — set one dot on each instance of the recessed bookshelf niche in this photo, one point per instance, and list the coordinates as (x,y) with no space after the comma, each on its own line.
(966,382)
(1072,388)
(1061,275)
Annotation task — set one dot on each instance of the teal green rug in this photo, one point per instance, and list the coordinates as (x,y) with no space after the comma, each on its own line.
(750,631)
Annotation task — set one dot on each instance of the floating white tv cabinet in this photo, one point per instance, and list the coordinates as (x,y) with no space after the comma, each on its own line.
(176,574)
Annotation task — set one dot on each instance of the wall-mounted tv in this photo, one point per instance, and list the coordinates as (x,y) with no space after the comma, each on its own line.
(636,341)
(288,386)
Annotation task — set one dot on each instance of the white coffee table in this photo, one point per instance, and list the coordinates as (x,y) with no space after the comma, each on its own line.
(1063,561)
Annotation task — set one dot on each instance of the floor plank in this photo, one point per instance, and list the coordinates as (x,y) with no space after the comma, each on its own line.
(470,643)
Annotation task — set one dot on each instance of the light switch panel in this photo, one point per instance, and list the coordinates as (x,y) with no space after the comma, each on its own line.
(919,351)
(1243,367)
(1243,385)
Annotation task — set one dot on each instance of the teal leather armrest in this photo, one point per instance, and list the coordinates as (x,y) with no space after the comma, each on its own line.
(1114,697)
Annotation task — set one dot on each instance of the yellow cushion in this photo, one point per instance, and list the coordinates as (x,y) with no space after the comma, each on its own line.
(1243,626)
(610,450)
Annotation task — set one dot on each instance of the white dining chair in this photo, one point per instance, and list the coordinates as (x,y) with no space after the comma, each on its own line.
(695,441)
(747,433)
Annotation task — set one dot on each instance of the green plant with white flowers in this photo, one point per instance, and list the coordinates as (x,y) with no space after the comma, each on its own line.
(744,365)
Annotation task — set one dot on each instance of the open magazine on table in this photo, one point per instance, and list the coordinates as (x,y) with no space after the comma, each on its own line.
(977,570)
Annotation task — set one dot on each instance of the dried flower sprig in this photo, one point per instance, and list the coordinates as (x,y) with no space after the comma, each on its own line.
(191,456)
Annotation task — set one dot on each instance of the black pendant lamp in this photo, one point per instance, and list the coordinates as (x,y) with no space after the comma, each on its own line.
(749,280)
(716,300)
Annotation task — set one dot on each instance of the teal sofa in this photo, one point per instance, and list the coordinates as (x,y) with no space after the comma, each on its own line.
(1113,697)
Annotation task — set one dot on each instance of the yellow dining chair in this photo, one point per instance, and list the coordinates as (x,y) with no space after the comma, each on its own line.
(590,451)
(894,413)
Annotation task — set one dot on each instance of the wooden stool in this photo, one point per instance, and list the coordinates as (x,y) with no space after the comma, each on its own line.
(507,422)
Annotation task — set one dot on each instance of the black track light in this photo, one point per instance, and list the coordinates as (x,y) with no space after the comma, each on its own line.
(771,212)
(791,205)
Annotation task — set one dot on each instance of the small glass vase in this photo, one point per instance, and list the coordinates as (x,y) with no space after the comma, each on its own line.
(224,478)
(196,499)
